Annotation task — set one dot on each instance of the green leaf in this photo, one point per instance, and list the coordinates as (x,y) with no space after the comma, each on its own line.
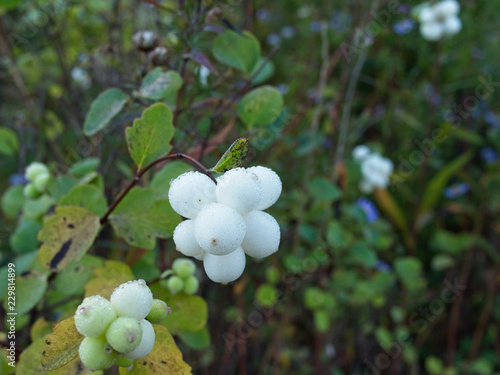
(102,110)
(149,138)
(82,167)
(196,340)
(157,84)
(260,106)
(140,218)
(361,254)
(62,345)
(314,298)
(391,208)
(435,187)
(71,281)
(335,235)
(189,313)
(66,236)
(61,185)
(30,288)
(384,337)
(409,270)
(442,262)
(266,72)
(161,180)
(463,134)
(37,207)
(434,365)
(12,201)
(113,274)
(86,196)
(266,295)
(8,142)
(233,157)
(322,189)
(24,239)
(322,320)
(165,358)
(238,51)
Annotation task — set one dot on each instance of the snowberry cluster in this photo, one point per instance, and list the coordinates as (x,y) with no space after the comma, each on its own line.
(182,279)
(375,169)
(118,330)
(439,20)
(38,176)
(226,220)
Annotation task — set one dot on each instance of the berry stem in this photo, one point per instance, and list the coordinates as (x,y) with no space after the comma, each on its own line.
(139,174)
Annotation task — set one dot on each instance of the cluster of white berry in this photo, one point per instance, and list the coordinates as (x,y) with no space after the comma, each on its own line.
(226,220)
(439,20)
(118,330)
(375,169)
(38,176)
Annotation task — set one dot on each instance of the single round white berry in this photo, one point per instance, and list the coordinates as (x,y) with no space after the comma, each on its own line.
(271,186)
(431,31)
(225,268)
(262,237)
(190,192)
(96,354)
(446,8)
(93,316)
(219,229)
(360,152)
(124,334)
(133,299)
(184,239)
(452,26)
(147,341)
(239,189)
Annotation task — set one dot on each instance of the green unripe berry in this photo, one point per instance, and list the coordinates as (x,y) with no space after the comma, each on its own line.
(124,334)
(159,311)
(175,284)
(41,181)
(147,342)
(93,316)
(96,354)
(30,191)
(123,361)
(191,285)
(34,169)
(183,267)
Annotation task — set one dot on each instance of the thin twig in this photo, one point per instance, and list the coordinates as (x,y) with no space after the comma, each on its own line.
(139,174)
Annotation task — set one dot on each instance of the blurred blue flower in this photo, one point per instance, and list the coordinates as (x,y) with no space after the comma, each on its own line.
(489,155)
(288,32)
(283,88)
(476,53)
(17,179)
(273,39)
(456,190)
(263,15)
(340,21)
(368,208)
(491,118)
(315,26)
(404,8)
(404,26)
(382,266)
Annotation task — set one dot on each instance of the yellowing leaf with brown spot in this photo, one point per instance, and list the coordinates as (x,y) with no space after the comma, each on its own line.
(108,278)
(62,345)
(67,236)
(165,358)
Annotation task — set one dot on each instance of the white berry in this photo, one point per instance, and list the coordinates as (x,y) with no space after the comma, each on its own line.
(219,229)
(133,299)
(262,237)
(93,316)
(239,189)
(184,239)
(96,354)
(225,268)
(271,186)
(147,341)
(124,334)
(190,192)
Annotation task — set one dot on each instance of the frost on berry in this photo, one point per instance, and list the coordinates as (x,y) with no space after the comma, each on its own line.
(124,334)
(239,189)
(93,316)
(225,268)
(262,237)
(133,299)
(190,192)
(184,239)
(271,186)
(159,311)
(96,354)
(219,229)
(183,267)
(147,342)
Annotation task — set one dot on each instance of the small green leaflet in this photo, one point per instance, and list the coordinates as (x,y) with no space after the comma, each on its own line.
(102,110)
(233,157)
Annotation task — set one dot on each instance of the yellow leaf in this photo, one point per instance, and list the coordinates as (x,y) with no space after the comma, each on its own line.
(108,278)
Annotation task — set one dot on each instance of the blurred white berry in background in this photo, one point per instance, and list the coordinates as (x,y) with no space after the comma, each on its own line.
(439,20)
(375,169)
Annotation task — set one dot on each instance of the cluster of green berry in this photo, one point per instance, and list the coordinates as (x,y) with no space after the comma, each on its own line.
(118,330)
(38,175)
(182,277)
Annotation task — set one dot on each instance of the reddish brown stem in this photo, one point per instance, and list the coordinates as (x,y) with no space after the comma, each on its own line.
(139,174)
